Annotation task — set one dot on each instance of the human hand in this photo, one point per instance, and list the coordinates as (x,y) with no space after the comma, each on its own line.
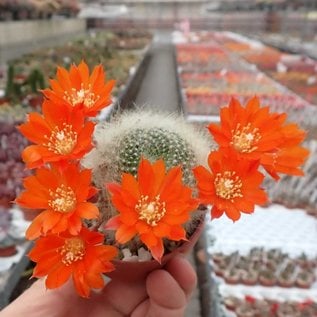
(165,292)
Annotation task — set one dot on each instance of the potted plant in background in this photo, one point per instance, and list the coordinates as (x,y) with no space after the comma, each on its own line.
(147,174)
(305,278)
(7,245)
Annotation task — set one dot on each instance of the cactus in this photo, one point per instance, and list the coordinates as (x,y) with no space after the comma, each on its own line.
(155,144)
(13,90)
(36,80)
(121,144)
(10,83)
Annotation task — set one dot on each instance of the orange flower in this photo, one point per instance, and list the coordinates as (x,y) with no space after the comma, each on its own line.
(78,88)
(232,186)
(289,157)
(251,131)
(59,135)
(256,134)
(155,206)
(63,195)
(83,257)
(286,161)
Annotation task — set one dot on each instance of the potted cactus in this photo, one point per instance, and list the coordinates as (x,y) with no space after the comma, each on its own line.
(232,302)
(305,278)
(267,277)
(124,196)
(250,277)
(245,310)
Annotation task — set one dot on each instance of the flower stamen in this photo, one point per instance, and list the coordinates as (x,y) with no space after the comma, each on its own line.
(85,96)
(228,185)
(73,250)
(63,199)
(245,138)
(151,212)
(62,141)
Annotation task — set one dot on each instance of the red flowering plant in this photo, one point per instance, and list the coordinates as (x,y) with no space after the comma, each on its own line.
(130,190)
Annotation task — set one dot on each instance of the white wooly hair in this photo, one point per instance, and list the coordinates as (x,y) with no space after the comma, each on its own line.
(108,135)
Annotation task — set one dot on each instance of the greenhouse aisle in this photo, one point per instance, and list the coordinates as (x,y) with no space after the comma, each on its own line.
(159,91)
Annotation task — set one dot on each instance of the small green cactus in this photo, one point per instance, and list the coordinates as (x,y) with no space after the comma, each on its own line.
(121,143)
(154,144)
(36,81)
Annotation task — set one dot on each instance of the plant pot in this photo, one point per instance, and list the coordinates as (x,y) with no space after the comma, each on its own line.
(286,310)
(218,257)
(30,214)
(244,311)
(130,272)
(5,202)
(250,278)
(7,247)
(305,282)
(219,271)
(232,278)
(232,303)
(8,251)
(286,282)
(267,281)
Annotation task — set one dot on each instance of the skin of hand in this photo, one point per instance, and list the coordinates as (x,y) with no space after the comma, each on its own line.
(164,292)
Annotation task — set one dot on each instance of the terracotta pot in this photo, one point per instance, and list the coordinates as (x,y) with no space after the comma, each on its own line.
(30,214)
(218,257)
(232,278)
(4,202)
(244,311)
(266,281)
(8,251)
(304,283)
(219,271)
(232,303)
(286,282)
(249,277)
(130,272)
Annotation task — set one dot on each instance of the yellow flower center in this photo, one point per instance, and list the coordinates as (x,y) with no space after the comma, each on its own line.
(245,138)
(62,141)
(150,211)
(63,199)
(85,96)
(228,185)
(73,250)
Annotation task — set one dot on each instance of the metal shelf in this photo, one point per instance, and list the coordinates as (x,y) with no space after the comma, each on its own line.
(10,278)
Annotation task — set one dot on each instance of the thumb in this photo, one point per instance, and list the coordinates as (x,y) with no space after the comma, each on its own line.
(166,296)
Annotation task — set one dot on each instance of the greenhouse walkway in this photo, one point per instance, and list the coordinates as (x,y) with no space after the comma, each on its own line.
(159,90)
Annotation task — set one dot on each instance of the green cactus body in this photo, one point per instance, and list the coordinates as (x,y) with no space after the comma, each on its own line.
(36,80)
(121,143)
(9,92)
(154,144)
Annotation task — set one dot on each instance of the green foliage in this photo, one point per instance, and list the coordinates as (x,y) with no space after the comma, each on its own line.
(13,90)
(36,80)
(16,89)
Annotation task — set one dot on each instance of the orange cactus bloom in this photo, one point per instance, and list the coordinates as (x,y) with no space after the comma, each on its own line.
(63,195)
(153,206)
(256,134)
(59,135)
(232,186)
(286,161)
(78,88)
(82,256)
(250,131)
(290,157)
